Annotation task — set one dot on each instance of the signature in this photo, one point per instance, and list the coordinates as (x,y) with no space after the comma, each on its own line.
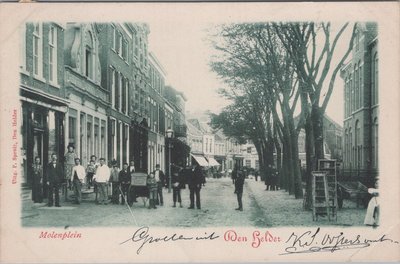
(315,241)
(143,237)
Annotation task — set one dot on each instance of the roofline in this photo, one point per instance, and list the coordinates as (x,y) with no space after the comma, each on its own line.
(157,64)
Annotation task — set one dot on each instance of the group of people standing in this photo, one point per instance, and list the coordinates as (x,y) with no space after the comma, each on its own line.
(99,176)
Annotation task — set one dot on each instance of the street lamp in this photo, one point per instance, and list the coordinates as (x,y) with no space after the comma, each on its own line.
(170,134)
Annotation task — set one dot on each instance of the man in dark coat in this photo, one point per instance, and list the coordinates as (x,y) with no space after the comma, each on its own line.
(124,181)
(54,180)
(131,170)
(239,188)
(196,179)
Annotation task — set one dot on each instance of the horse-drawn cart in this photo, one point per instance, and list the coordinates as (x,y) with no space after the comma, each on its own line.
(138,188)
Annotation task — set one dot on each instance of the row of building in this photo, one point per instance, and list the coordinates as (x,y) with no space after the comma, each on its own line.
(96,86)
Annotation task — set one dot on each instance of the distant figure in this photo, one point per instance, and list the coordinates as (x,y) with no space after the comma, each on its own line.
(55,178)
(77,179)
(256,175)
(90,171)
(239,188)
(372,215)
(37,188)
(152,185)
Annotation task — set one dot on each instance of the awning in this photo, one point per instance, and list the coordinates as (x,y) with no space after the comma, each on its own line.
(213,162)
(200,160)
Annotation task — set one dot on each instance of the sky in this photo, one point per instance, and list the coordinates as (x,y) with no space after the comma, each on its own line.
(184,52)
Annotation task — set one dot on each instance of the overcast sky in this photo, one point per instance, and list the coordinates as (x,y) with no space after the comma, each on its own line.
(183,51)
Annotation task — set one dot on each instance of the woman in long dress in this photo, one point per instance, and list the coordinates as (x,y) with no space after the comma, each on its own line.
(69,159)
(37,188)
(372,215)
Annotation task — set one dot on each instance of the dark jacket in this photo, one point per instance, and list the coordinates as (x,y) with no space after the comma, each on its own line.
(124,176)
(55,174)
(239,182)
(178,179)
(196,178)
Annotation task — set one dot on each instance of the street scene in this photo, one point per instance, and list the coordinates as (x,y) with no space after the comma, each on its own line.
(269,124)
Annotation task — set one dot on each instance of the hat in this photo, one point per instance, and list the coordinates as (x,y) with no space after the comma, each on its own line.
(71,145)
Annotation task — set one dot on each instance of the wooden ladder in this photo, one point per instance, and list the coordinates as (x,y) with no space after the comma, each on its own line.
(320,194)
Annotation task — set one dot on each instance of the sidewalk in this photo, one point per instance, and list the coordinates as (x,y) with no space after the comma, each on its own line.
(282,209)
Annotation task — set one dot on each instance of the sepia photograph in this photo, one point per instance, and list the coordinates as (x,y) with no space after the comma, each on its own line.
(232,134)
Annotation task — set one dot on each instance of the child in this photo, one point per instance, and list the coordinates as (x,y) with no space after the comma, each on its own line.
(90,170)
(153,187)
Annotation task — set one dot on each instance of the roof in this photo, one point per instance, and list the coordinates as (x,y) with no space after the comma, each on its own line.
(193,130)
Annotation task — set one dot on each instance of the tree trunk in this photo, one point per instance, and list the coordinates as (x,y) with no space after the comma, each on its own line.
(318,132)
(309,162)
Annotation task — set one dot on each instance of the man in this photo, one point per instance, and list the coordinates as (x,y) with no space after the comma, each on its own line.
(239,188)
(196,179)
(131,170)
(77,178)
(101,178)
(124,181)
(160,179)
(114,179)
(177,181)
(54,180)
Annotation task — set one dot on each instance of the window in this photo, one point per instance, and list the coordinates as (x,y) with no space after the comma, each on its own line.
(375,74)
(114,38)
(53,54)
(89,64)
(248,163)
(120,41)
(125,50)
(136,44)
(72,130)
(112,80)
(360,84)
(37,50)
(355,98)
(257,167)
(123,95)
(103,138)
(116,89)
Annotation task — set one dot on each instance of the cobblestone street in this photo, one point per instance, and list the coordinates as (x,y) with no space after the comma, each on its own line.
(261,208)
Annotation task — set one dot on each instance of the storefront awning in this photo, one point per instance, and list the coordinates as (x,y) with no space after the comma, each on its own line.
(213,162)
(200,160)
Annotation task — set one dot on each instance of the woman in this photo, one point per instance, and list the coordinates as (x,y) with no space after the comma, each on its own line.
(37,169)
(372,215)
(69,159)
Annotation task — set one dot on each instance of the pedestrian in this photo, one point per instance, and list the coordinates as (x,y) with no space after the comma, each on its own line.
(37,175)
(239,188)
(55,178)
(177,181)
(152,185)
(234,173)
(132,170)
(93,160)
(69,162)
(124,179)
(114,179)
(160,179)
(101,178)
(90,171)
(372,215)
(77,179)
(256,175)
(195,181)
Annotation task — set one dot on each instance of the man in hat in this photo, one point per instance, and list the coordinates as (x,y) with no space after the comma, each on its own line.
(77,179)
(195,181)
(160,179)
(125,181)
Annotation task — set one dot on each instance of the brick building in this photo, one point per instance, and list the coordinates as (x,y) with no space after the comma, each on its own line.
(361,107)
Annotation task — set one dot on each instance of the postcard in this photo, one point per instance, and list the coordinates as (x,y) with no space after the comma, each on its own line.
(199,132)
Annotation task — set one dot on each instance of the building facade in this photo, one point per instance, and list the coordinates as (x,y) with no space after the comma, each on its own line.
(87,117)
(361,105)
(42,95)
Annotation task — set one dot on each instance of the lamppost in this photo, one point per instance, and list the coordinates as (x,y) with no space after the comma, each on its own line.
(170,134)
